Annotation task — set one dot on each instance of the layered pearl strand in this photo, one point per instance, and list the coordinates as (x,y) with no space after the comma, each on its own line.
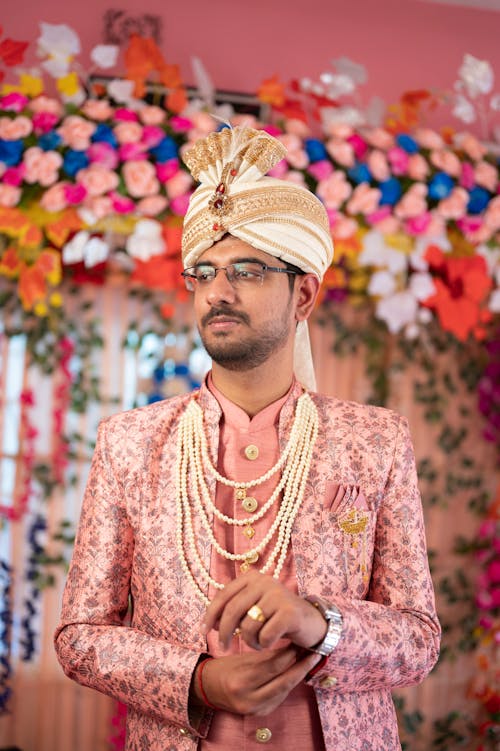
(193,461)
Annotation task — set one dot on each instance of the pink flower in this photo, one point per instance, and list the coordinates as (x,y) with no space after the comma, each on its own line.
(334,190)
(418,168)
(166,170)
(296,177)
(341,152)
(97,179)
(320,170)
(14,175)
(467,179)
(339,131)
(418,225)
(100,206)
(296,156)
(54,199)
(19,127)
(491,215)
(380,139)
(10,195)
(103,153)
(13,102)
(179,124)
(378,166)
(297,128)
(122,204)
(486,175)
(152,115)
(41,166)
(428,139)
(179,205)
(125,115)
(279,170)
(132,152)
(203,122)
(152,205)
(128,132)
(178,185)
(358,144)
(364,200)
(46,104)
(454,205)
(140,179)
(76,132)
(472,147)
(389,225)
(446,161)
(273,130)
(343,227)
(44,121)
(399,160)
(413,203)
(74,194)
(97,109)
(152,135)
(379,214)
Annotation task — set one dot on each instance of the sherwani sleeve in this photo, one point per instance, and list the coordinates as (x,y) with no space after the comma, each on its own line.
(93,644)
(391,638)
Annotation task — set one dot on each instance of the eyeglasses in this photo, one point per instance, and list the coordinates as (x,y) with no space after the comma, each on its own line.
(239,274)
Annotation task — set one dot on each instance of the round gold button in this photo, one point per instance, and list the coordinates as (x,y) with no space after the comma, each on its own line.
(253,557)
(263,735)
(184,731)
(251,452)
(250,504)
(328,681)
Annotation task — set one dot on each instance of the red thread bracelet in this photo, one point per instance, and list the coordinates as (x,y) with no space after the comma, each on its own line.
(200,683)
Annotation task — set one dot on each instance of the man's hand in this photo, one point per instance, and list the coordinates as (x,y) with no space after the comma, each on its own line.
(285,614)
(253,683)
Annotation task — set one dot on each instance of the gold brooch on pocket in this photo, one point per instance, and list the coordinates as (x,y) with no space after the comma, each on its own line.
(353,524)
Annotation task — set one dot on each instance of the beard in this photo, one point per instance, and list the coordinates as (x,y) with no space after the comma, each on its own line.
(247,352)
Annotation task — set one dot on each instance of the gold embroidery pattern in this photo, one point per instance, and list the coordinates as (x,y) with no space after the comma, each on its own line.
(353,524)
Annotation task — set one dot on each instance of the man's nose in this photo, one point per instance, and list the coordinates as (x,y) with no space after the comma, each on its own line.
(220,289)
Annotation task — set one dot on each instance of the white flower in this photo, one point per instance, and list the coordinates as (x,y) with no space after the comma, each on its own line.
(95,251)
(105,55)
(77,98)
(422,285)
(397,311)
(337,85)
(344,115)
(59,43)
(490,255)
(146,240)
(412,331)
(376,253)
(476,75)
(495,102)
(73,251)
(381,284)
(348,67)
(424,315)
(121,91)
(464,110)
(494,303)
(87,216)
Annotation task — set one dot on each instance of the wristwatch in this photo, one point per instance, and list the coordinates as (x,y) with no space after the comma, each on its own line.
(333,617)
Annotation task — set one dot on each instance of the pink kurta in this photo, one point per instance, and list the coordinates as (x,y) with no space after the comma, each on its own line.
(363,467)
(295,724)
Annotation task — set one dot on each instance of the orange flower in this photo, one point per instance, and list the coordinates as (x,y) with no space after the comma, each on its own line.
(462,285)
(161,272)
(49,263)
(10,263)
(272,91)
(32,286)
(58,231)
(13,222)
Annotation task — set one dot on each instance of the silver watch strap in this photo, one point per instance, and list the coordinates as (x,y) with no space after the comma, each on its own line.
(333,617)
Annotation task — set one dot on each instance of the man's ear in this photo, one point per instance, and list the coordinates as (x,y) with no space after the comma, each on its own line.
(306,292)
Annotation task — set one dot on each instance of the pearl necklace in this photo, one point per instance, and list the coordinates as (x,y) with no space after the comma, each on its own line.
(193,457)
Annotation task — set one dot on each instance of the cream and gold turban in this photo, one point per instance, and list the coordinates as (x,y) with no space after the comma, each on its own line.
(278,217)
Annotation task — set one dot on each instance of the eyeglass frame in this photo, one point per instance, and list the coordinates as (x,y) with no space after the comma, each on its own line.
(288,269)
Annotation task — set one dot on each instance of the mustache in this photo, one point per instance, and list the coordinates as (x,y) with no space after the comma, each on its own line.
(224,310)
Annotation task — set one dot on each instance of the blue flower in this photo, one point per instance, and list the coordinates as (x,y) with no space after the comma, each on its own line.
(360,173)
(407,143)
(104,133)
(11,152)
(49,141)
(166,149)
(390,192)
(315,150)
(74,161)
(440,186)
(478,200)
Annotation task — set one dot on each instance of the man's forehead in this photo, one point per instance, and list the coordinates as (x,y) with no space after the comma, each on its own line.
(231,248)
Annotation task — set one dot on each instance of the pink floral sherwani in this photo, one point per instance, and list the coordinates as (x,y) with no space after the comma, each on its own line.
(358,541)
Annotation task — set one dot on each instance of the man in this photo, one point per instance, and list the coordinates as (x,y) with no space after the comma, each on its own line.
(270,539)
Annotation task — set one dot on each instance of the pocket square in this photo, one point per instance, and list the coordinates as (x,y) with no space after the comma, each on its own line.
(339,497)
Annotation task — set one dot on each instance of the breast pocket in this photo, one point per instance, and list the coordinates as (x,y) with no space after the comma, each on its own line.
(348,525)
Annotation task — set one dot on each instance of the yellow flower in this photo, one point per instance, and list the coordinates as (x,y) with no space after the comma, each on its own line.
(40,309)
(68,84)
(30,85)
(56,300)
(400,241)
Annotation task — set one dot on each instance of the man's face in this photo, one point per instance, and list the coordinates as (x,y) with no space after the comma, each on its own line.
(242,326)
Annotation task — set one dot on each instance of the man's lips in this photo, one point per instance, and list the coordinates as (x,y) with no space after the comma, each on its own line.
(215,319)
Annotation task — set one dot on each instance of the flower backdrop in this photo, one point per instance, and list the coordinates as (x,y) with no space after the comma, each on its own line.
(93,188)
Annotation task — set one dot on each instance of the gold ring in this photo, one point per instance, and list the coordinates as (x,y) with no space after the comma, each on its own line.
(256,614)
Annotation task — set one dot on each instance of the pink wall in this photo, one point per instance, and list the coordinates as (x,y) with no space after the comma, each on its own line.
(403,43)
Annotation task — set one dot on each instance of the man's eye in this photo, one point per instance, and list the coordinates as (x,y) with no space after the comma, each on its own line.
(204,275)
(247,272)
